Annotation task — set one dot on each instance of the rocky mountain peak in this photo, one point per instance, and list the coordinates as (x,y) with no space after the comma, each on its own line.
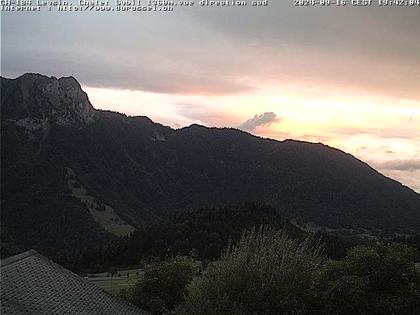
(33,99)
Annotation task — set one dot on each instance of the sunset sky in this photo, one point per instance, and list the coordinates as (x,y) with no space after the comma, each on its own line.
(348,77)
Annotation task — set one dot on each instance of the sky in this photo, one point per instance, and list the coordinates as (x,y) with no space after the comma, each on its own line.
(348,77)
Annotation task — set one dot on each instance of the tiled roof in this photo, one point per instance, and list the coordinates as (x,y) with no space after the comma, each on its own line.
(33,284)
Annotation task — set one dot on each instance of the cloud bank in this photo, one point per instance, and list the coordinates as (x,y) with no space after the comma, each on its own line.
(410,165)
(214,51)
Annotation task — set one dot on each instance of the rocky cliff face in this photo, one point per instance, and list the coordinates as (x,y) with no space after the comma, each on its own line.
(34,102)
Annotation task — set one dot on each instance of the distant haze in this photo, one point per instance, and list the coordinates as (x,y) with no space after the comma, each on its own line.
(348,77)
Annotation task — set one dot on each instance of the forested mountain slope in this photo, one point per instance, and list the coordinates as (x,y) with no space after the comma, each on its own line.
(73,175)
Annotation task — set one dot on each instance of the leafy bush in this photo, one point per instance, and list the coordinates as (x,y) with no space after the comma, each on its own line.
(376,279)
(163,285)
(266,273)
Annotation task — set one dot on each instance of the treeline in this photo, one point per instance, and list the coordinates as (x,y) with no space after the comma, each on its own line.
(268,272)
(202,233)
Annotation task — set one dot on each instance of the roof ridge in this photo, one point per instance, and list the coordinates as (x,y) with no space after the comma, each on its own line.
(18,257)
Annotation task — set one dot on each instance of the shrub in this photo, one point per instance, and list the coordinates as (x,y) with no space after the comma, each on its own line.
(163,285)
(376,279)
(266,273)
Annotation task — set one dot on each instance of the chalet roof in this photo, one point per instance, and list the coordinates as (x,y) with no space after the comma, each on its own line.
(33,284)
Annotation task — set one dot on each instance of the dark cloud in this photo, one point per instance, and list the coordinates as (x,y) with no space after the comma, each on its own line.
(96,71)
(406,171)
(265,119)
(221,50)
(408,165)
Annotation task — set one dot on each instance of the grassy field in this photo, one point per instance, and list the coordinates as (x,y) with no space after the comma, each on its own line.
(103,214)
(122,279)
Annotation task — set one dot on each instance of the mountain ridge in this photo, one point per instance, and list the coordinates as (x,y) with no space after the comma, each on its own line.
(145,171)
